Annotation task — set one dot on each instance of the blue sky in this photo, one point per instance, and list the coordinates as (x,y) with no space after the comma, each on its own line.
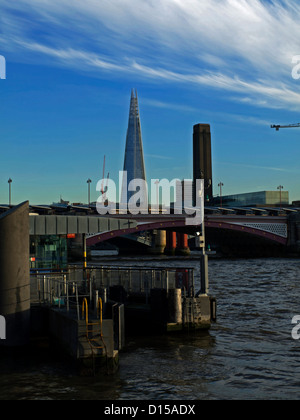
(71,67)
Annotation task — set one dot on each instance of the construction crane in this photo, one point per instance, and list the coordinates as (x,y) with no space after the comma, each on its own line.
(277,127)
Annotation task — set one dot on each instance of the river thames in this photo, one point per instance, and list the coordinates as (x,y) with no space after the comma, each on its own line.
(248,354)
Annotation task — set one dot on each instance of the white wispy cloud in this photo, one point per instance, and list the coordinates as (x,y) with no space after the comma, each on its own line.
(265,168)
(240,47)
(168,105)
(162,157)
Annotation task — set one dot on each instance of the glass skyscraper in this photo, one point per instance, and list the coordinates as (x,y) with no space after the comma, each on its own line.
(134,165)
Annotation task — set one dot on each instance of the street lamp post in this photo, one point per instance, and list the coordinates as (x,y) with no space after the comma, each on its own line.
(89,190)
(221,185)
(9,191)
(280,188)
(157,195)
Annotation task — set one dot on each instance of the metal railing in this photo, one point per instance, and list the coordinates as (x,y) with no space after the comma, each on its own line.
(137,280)
(55,289)
(68,288)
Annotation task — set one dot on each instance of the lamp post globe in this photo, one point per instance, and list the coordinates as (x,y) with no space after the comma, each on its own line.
(9,191)
(89,190)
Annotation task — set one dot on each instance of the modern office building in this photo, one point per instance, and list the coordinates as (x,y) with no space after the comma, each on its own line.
(48,252)
(202,161)
(260,198)
(134,165)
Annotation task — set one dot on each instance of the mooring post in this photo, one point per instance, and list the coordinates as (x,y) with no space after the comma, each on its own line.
(204,274)
(175,306)
(84,259)
(200,243)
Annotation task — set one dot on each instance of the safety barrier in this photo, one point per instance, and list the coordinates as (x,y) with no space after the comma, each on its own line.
(70,287)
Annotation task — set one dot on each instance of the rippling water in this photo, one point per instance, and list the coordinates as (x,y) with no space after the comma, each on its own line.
(248,354)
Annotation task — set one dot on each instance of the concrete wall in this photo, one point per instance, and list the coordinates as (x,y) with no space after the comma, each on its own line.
(70,336)
(14,275)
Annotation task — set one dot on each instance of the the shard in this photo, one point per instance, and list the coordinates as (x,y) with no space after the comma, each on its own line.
(134,165)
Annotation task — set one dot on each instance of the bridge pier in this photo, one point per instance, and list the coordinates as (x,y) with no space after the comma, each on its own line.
(159,242)
(294,232)
(171,243)
(182,244)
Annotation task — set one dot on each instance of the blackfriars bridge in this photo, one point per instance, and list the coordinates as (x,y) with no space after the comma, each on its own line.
(275,225)
(272,228)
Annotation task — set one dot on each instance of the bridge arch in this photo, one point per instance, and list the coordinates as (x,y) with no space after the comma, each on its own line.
(248,229)
(256,230)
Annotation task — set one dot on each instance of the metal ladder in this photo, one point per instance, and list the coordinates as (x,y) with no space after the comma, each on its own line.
(192,310)
(92,337)
(197,314)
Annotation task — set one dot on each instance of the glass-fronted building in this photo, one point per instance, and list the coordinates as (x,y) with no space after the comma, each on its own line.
(134,165)
(261,198)
(48,252)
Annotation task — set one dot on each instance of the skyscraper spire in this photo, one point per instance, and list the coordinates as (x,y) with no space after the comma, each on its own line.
(134,163)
